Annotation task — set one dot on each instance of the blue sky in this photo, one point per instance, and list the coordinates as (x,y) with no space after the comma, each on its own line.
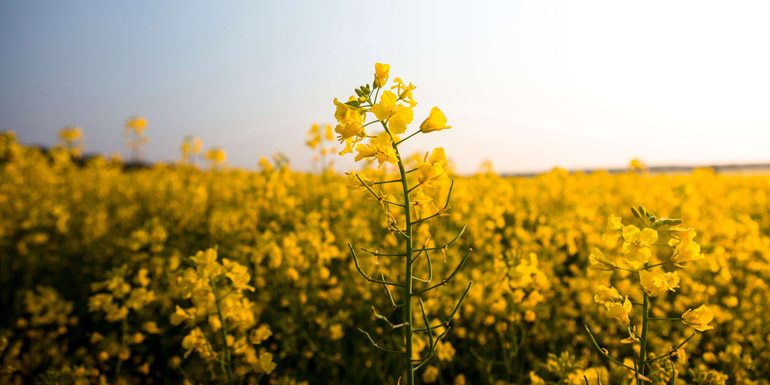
(527,85)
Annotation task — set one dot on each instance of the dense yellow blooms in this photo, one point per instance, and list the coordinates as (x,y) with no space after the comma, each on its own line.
(91,234)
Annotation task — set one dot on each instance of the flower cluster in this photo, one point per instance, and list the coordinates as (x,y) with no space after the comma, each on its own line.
(638,250)
(220,314)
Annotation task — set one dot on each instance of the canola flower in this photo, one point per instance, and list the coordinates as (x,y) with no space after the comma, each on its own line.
(637,250)
(71,139)
(134,132)
(67,223)
(394,116)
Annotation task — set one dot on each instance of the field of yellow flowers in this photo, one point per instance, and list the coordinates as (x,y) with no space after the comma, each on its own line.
(113,275)
(400,273)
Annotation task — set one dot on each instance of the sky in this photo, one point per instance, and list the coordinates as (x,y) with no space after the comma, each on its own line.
(526,85)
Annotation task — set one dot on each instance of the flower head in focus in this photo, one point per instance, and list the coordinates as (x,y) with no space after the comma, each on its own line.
(436,121)
(658,282)
(636,247)
(381,74)
(698,318)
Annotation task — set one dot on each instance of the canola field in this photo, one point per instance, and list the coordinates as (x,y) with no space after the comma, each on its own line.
(178,273)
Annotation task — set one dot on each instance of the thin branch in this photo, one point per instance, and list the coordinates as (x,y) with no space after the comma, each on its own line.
(389,181)
(414,187)
(446,245)
(378,346)
(677,347)
(358,267)
(427,324)
(382,317)
(378,254)
(432,349)
(451,316)
(439,213)
(390,295)
(449,195)
(604,353)
(447,279)
(457,307)
(403,140)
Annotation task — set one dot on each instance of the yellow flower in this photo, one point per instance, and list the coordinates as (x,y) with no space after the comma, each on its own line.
(350,127)
(607,294)
(599,261)
(260,334)
(71,133)
(151,327)
(265,364)
(430,375)
(355,182)
(698,318)
(216,155)
(196,340)
(137,124)
(619,311)
(436,121)
(419,198)
(380,148)
(180,315)
(381,74)
(397,116)
(676,355)
(636,247)
(336,332)
(433,169)
(404,91)
(657,282)
(686,250)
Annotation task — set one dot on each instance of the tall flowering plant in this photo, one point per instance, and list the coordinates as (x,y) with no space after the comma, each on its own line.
(657,274)
(392,113)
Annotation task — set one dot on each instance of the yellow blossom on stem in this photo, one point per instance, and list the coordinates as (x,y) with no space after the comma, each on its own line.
(397,116)
(436,121)
(421,200)
(619,311)
(381,74)
(657,282)
(616,230)
(404,91)
(350,127)
(636,247)
(607,294)
(433,169)
(71,133)
(599,261)
(698,318)
(137,124)
(685,249)
(380,148)
(216,155)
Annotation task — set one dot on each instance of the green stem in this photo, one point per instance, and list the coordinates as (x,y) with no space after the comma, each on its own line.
(404,140)
(605,354)
(673,373)
(408,330)
(657,264)
(226,359)
(123,329)
(643,342)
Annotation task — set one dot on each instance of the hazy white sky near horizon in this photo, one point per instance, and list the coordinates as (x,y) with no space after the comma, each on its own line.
(527,85)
